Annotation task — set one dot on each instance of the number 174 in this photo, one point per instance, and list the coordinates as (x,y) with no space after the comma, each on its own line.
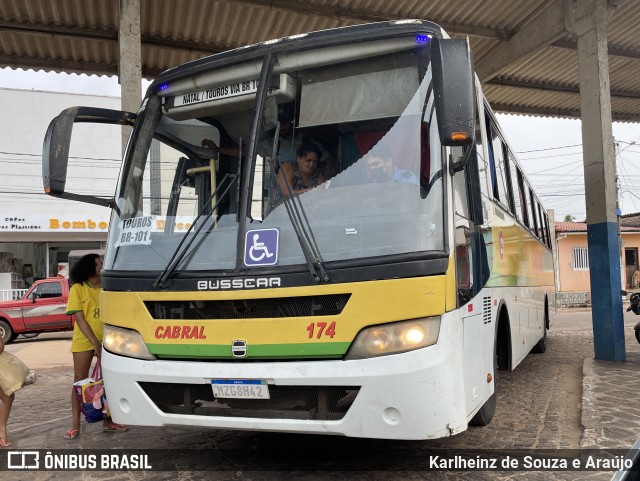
(321,328)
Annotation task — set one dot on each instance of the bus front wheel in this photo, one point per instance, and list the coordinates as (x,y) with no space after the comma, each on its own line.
(484,416)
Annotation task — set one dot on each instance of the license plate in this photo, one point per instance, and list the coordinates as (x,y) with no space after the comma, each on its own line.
(240,388)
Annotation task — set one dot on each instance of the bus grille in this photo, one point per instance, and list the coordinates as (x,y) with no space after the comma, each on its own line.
(287,402)
(329,305)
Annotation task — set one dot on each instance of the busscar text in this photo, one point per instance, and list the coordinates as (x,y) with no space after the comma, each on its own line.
(248,283)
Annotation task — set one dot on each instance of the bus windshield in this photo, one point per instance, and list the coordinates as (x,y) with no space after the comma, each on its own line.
(345,149)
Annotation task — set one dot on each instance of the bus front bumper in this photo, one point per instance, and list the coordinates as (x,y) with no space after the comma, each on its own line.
(411,395)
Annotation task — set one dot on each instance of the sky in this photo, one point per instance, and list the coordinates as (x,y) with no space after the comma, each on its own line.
(549,149)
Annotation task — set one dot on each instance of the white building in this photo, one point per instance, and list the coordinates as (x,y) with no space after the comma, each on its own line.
(38,231)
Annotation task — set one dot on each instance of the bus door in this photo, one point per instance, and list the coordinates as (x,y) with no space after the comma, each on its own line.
(470,310)
(472,272)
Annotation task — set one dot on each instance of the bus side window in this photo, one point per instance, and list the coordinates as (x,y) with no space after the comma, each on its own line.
(547,231)
(528,213)
(462,238)
(513,187)
(478,193)
(492,162)
(541,230)
(483,169)
(499,165)
(502,175)
(523,199)
(532,211)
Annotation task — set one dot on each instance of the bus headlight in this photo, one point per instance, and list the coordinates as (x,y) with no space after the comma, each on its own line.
(125,342)
(395,338)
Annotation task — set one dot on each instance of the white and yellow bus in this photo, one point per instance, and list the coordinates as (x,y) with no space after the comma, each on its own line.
(379,303)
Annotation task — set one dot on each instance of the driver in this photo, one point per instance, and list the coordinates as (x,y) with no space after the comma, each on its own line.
(379,167)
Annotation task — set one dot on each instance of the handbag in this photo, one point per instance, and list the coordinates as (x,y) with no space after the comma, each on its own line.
(13,372)
(91,397)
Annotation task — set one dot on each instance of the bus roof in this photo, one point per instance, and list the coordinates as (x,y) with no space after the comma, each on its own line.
(375,30)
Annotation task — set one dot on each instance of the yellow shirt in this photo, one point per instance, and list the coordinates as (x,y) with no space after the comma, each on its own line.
(83,297)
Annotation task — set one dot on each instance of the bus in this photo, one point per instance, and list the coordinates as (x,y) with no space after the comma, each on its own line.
(376,306)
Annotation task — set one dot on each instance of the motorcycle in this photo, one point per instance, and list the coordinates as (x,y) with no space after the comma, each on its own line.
(634,305)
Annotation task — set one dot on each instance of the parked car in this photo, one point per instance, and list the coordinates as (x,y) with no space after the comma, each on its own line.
(41,309)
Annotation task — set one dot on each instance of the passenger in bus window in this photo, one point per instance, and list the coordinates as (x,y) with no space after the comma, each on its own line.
(379,166)
(301,175)
(329,165)
(289,139)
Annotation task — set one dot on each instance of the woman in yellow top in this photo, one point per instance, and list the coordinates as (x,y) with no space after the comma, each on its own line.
(84,304)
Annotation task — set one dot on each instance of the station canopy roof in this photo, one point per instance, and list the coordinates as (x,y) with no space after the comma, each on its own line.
(524,53)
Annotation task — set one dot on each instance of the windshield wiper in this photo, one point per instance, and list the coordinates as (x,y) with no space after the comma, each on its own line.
(178,255)
(300,224)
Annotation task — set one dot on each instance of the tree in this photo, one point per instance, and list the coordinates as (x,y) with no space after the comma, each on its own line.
(569,218)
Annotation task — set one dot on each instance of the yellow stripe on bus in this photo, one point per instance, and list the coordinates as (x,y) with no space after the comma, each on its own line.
(371,303)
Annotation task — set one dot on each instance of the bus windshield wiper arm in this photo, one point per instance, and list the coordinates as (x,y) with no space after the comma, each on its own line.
(178,255)
(301,225)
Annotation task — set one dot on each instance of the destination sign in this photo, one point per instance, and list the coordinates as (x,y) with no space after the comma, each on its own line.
(217,93)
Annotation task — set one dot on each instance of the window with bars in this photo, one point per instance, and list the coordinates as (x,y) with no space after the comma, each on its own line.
(580,258)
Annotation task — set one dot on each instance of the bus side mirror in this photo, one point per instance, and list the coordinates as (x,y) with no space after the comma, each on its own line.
(55,150)
(454,94)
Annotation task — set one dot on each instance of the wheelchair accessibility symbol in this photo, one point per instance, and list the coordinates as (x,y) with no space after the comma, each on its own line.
(261,247)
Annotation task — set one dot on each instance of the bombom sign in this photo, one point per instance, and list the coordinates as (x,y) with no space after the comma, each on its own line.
(11,223)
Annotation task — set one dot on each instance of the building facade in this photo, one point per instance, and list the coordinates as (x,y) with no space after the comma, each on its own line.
(37,231)
(573,283)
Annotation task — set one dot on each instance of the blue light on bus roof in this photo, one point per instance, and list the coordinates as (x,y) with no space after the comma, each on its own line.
(163,87)
(423,38)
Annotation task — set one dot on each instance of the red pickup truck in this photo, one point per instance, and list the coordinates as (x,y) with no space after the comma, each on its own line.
(41,309)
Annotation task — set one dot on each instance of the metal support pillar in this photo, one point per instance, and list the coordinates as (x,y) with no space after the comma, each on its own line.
(129,63)
(588,19)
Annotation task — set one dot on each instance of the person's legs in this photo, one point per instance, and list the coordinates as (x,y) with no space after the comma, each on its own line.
(5,409)
(81,366)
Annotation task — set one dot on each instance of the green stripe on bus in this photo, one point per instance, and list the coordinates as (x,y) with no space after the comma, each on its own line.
(317,350)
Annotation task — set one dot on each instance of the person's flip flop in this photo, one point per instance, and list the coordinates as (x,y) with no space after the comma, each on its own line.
(71,434)
(4,442)
(115,428)
(31,377)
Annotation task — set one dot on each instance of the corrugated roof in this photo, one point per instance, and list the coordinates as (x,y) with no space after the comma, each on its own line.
(81,36)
